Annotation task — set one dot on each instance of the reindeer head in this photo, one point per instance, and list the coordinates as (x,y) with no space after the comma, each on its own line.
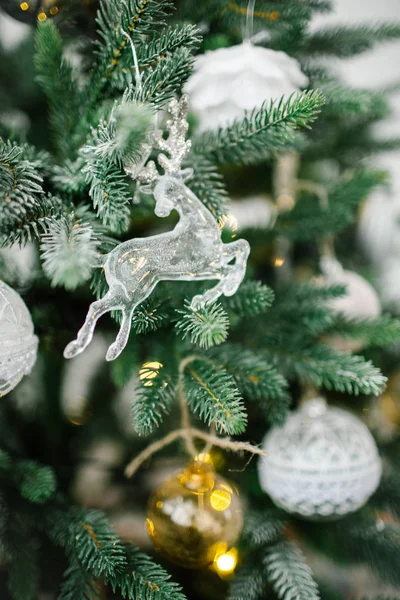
(169,186)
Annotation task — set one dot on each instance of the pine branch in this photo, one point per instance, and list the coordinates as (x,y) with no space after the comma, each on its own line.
(262,528)
(37,483)
(212,394)
(289,574)
(125,366)
(23,567)
(136,18)
(375,333)
(119,139)
(355,104)
(109,192)
(25,210)
(69,252)
(308,219)
(257,380)
(144,579)
(155,397)
(377,544)
(249,583)
(206,327)
(80,584)
(208,184)
(262,131)
(343,41)
(56,78)
(87,536)
(321,366)
(159,85)
(252,298)
(149,55)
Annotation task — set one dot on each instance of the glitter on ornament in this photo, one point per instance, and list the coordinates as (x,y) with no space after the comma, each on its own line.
(228,81)
(18,344)
(195,517)
(322,464)
(193,251)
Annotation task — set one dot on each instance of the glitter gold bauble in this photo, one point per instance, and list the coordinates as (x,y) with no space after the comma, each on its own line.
(195,516)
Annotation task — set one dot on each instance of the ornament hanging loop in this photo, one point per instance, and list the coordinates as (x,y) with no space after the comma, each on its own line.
(249,21)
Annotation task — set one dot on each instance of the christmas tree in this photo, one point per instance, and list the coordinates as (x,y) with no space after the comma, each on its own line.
(191,345)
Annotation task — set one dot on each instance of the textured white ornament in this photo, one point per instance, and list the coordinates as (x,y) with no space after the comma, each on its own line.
(228,81)
(360,301)
(192,251)
(322,464)
(18,344)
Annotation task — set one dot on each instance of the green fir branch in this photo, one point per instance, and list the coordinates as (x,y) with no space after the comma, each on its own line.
(56,78)
(308,219)
(257,379)
(149,55)
(249,582)
(208,184)
(212,394)
(374,333)
(134,17)
(69,251)
(252,298)
(323,367)
(37,483)
(23,566)
(144,579)
(80,584)
(263,130)
(344,41)
(159,85)
(262,528)
(110,193)
(87,536)
(289,574)
(206,327)
(154,398)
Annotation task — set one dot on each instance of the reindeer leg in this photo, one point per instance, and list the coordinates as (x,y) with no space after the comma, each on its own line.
(85,334)
(210,295)
(123,335)
(240,250)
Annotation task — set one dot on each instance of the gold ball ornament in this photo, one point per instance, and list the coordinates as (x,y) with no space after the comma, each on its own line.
(195,516)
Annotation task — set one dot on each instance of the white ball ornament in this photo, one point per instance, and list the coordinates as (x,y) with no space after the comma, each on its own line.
(322,464)
(18,344)
(228,81)
(360,301)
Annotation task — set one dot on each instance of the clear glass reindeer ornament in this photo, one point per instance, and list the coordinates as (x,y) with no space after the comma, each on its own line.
(192,251)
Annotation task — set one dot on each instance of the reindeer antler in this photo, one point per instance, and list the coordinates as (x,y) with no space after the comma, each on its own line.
(175,146)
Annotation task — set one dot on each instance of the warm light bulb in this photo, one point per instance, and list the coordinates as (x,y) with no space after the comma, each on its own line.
(24,6)
(220,499)
(149,371)
(42,16)
(278,262)
(225,563)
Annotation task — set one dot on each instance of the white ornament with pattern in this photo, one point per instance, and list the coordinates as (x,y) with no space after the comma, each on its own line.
(322,464)
(18,344)
(228,81)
